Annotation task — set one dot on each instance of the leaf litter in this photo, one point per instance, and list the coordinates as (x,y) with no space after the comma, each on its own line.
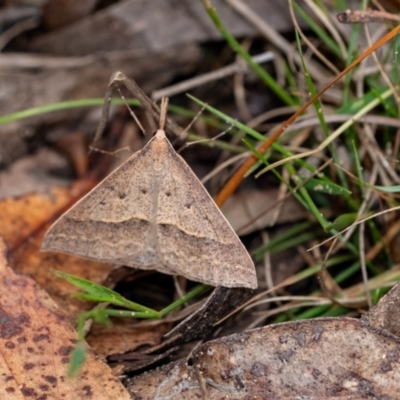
(36,341)
(274,361)
(324,358)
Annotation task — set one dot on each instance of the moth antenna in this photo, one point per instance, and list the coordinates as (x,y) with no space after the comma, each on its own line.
(163,112)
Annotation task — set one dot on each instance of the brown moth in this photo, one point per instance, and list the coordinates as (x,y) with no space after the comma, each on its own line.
(153,213)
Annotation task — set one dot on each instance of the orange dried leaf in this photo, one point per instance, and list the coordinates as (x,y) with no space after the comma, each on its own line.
(36,341)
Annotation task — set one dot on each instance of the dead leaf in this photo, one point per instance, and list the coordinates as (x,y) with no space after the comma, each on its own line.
(36,341)
(327,358)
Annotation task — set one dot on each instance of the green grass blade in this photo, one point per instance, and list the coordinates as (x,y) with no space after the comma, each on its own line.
(323,186)
(103,294)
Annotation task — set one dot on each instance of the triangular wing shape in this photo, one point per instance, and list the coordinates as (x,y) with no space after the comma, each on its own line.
(112,223)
